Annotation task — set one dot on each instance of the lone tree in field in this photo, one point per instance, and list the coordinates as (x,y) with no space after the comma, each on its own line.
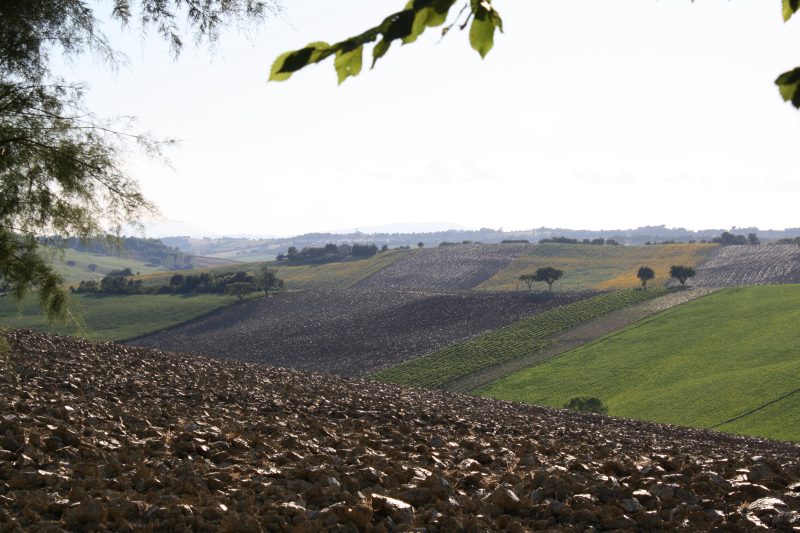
(681,273)
(591,404)
(549,275)
(529,279)
(240,289)
(645,274)
(266,280)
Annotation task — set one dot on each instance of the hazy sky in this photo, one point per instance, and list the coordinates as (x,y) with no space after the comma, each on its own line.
(586,114)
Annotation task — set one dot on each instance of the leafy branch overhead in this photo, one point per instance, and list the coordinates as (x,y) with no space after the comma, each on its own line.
(418,15)
(789,82)
(405,26)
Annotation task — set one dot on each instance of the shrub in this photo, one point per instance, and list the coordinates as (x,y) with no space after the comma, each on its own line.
(587,404)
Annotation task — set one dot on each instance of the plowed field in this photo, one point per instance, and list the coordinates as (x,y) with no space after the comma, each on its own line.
(457,267)
(352,332)
(111,438)
(731,266)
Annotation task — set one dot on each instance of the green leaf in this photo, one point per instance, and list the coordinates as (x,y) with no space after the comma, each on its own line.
(428,17)
(789,86)
(790,7)
(348,63)
(380,50)
(481,32)
(289,62)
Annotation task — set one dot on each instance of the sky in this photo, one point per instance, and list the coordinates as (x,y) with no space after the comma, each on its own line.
(586,114)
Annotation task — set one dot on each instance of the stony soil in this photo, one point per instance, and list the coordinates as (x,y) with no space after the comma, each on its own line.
(731,266)
(456,267)
(101,437)
(349,332)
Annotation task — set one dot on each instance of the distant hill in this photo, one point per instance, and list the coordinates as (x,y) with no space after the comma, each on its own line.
(396,235)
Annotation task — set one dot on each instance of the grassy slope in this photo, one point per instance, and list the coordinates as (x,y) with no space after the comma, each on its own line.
(599,267)
(698,365)
(780,420)
(513,341)
(105,264)
(112,317)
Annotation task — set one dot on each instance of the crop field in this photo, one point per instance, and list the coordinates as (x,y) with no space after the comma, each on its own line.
(730,361)
(731,266)
(351,332)
(598,267)
(111,317)
(517,340)
(456,267)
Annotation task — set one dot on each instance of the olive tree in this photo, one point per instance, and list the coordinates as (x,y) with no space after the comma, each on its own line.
(549,275)
(681,273)
(645,274)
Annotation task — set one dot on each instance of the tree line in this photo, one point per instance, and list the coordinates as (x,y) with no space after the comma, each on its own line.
(239,284)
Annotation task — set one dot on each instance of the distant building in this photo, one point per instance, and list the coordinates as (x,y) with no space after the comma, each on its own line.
(345,249)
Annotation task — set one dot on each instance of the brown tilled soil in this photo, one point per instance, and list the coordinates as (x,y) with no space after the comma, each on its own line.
(349,332)
(101,437)
(445,268)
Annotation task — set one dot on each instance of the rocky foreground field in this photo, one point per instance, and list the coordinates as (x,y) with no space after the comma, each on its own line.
(114,438)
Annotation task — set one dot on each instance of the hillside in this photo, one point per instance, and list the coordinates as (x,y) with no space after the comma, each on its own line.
(732,355)
(599,267)
(104,437)
(349,332)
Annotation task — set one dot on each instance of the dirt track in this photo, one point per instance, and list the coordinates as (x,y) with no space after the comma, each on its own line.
(100,437)
(349,332)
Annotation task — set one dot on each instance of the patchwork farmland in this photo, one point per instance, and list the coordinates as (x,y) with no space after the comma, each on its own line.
(352,332)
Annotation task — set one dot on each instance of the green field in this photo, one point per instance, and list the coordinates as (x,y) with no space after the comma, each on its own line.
(699,364)
(112,317)
(598,267)
(513,341)
(105,264)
